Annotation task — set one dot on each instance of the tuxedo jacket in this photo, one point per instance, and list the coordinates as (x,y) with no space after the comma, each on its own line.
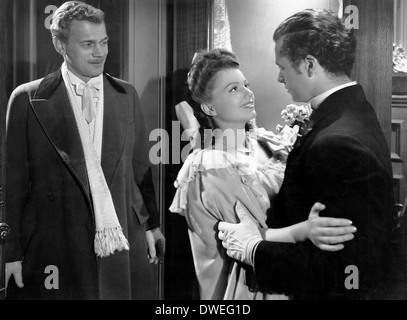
(344,163)
(48,200)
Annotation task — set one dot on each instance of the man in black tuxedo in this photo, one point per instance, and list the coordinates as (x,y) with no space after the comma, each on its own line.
(343,162)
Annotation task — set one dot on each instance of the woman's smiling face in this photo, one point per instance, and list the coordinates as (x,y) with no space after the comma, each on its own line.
(231,99)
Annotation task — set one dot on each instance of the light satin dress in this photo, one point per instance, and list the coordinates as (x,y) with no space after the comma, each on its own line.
(208,186)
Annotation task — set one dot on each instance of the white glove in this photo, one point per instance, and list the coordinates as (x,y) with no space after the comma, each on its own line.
(240,240)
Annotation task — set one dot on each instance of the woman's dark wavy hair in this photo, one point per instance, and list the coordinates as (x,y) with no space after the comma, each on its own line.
(321,34)
(205,66)
(73,10)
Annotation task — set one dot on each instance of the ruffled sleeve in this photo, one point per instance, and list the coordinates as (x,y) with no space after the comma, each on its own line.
(185,175)
(198,160)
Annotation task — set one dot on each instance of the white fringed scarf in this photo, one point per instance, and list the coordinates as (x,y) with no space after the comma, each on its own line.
(109,236)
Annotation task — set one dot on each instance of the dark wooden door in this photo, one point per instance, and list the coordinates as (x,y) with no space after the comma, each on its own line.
(188,27)
(374,67)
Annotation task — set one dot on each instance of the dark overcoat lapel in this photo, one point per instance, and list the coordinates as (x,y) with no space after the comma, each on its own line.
(54,112)
(114,132)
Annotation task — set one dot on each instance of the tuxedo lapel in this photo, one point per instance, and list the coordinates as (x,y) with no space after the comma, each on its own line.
(114,126)
(53,110)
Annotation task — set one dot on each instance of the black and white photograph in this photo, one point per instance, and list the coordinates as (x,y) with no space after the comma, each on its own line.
(203,156)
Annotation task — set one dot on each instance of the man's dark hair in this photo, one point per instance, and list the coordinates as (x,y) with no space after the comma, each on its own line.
(321,34)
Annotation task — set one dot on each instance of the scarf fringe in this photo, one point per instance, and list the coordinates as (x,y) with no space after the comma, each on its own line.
(110,240)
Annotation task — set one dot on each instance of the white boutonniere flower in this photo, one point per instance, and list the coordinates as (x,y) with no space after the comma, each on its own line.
(297,119)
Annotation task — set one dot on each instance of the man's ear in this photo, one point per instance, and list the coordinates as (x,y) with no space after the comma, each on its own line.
(59,46)
(310,64)
(208,110)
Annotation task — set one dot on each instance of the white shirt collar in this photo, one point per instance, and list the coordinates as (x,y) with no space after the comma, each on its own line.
(96,126)
(316,101)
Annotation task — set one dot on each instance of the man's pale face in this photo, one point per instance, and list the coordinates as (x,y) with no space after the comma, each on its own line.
(296,81)
(86,49)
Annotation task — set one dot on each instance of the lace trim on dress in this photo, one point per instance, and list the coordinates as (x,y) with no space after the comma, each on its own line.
(272,172)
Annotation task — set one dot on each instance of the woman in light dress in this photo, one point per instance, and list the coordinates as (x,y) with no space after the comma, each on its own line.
(233,160)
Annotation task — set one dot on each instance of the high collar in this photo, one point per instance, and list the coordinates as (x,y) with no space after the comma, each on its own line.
(316,101)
